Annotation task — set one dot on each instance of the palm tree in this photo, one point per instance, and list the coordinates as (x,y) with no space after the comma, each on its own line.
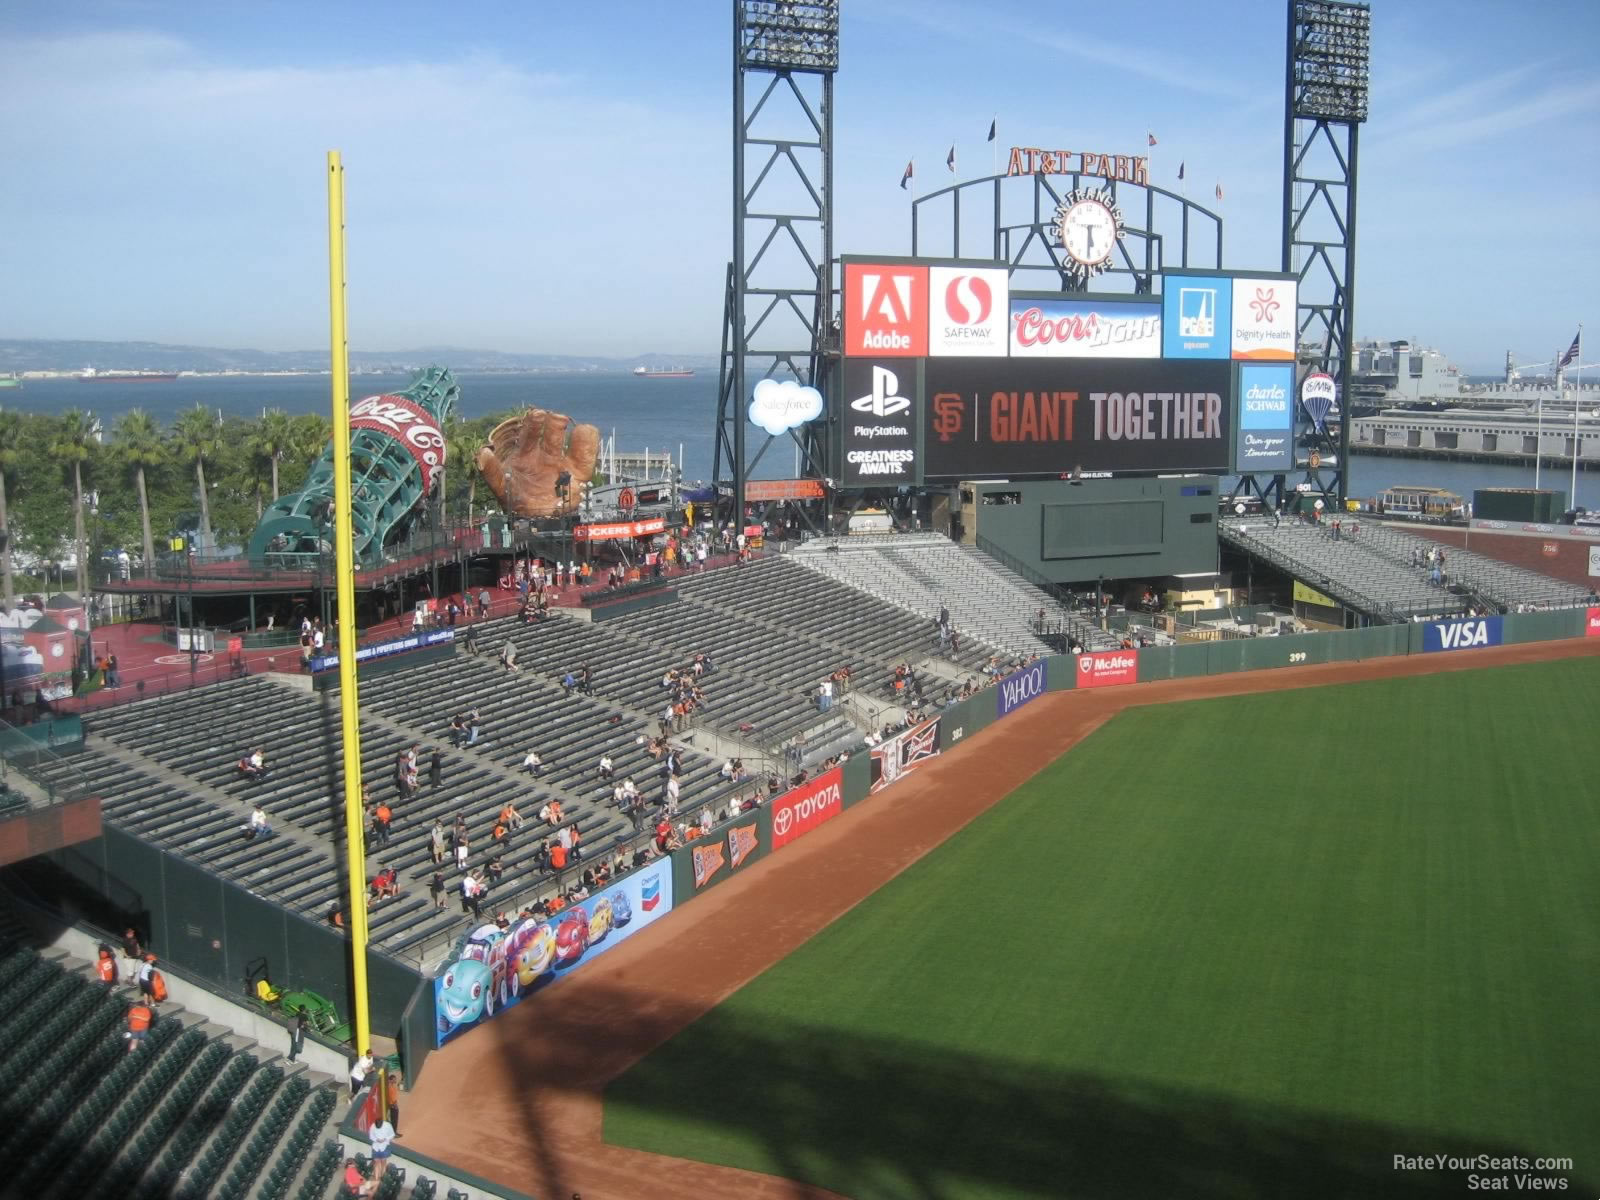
(272,438)
(10,458)
(197,436)
(140,447)
(311,432)
(73,443)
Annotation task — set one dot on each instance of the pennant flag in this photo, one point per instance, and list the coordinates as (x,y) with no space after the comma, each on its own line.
(991,129)
(1571,356)
(1219,191)
(1180,170)
(1152,139)
(950,160)
(906,178)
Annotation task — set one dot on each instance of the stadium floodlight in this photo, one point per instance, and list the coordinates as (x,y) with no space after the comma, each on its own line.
(1331,50)
(787,35)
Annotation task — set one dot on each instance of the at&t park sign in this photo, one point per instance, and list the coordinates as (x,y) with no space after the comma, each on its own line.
(1030,160)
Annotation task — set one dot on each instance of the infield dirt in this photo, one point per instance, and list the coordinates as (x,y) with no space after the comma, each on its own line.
(519,1101)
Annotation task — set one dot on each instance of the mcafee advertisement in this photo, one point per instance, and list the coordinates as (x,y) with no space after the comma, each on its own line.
(796,813)
(997,417)
(1108,667)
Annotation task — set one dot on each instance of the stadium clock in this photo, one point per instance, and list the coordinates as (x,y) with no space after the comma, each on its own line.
(1088,226)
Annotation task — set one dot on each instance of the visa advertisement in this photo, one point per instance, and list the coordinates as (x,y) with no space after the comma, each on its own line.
(1044,328)
(1196,316)
(1465,634)
(971,310)
(495,969)
(1017,689)
(1265,438)
(1263,320)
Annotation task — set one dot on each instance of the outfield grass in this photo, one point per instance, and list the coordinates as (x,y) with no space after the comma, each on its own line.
(1247,947)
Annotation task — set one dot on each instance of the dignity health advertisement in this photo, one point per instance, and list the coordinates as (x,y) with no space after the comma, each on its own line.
(497,969)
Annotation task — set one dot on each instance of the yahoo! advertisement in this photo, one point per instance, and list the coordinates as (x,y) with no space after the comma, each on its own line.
(496,969)
(1265,437)
(1017,689)
(797,812)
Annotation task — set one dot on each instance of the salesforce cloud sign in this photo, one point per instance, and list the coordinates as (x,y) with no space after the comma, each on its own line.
(777,405)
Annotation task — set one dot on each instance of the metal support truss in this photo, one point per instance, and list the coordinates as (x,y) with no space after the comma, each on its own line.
(1325,103)
(778,308)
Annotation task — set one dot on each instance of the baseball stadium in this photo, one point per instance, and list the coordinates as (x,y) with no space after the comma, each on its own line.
(1057,787)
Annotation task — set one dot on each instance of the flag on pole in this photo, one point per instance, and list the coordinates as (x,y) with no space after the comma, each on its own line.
(1180,170)
(1571,356)
(991,129)
(906,178)
(1152,139)
(950,159)
(1219,191)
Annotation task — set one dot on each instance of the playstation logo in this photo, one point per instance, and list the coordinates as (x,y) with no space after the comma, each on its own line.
(1197,312)
(885,400)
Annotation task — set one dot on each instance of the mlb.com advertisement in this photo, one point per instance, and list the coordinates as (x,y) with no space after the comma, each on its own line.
(799,811)
(1265,441)
(882,407)
(1047,328)
(1469,633)
(496,969)
(1006,417)
(1017,689)
(1104,668)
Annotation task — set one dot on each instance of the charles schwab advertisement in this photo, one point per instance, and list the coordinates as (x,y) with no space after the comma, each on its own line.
(1010,417)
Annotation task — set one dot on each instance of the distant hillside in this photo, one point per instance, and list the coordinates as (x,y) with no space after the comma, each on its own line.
(33,354)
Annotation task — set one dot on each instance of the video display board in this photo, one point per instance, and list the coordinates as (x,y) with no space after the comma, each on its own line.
(1002,417)
(881,417)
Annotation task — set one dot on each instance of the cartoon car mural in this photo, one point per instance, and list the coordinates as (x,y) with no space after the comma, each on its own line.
(463,990)
(488,946)
(621,908)
(600,921)
(530,952)
(572,937)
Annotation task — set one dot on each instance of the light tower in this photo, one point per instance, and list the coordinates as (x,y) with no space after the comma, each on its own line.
(778,309)
(1324,107)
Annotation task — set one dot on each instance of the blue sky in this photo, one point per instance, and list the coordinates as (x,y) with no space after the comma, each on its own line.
(555,178)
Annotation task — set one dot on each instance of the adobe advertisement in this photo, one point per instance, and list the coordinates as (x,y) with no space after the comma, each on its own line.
(1464,634)
(1044,328)
(904,753)
(1009,417)
(798,811)
(1196,316)
(494,969)
(885,310)
(1264,320)
(1017,689)
(1105,668)
(970,308)
(881,408)
(1265,441)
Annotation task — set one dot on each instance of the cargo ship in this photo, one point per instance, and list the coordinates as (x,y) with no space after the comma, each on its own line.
(663,373)
(10,381)
(93,376)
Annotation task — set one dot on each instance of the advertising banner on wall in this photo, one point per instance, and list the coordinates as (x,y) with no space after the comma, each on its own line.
(885,310)
(904,752)
(1017,689)
(970,311)
(1265,438)
(1469,633)
(1008,417)
(730,849)
(1591,622)
(496,969)
(798,811)
(1107,667)
(1196,316)
(1264,320)
(880,413)
(1045,328)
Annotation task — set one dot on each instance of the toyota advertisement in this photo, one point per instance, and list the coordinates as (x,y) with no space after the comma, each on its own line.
(1265,441)
(1048,328)
(881,410)
(1108,667)
(1004,418)
(797,812)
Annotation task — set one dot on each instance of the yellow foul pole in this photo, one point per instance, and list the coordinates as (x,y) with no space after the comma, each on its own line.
(344,571)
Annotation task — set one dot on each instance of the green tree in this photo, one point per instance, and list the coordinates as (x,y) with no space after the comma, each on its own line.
(140,447)
(196,437)
(10,458)
(271,439)
(75,439)
(309,440)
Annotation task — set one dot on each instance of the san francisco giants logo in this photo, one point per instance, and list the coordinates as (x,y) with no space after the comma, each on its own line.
(949,415)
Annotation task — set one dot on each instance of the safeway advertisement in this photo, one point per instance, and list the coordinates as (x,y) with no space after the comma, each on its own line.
(1108,667)
(796,813)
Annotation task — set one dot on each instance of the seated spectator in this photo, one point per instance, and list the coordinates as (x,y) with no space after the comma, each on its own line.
(254,764)
(385,884)
(494,869)
(606,769)
(533,763)
(551,813)
(472,729)
(509,816)
(259,826)
(458,729)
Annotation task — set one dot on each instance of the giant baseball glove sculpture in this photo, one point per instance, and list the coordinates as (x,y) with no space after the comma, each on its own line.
(536,464)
